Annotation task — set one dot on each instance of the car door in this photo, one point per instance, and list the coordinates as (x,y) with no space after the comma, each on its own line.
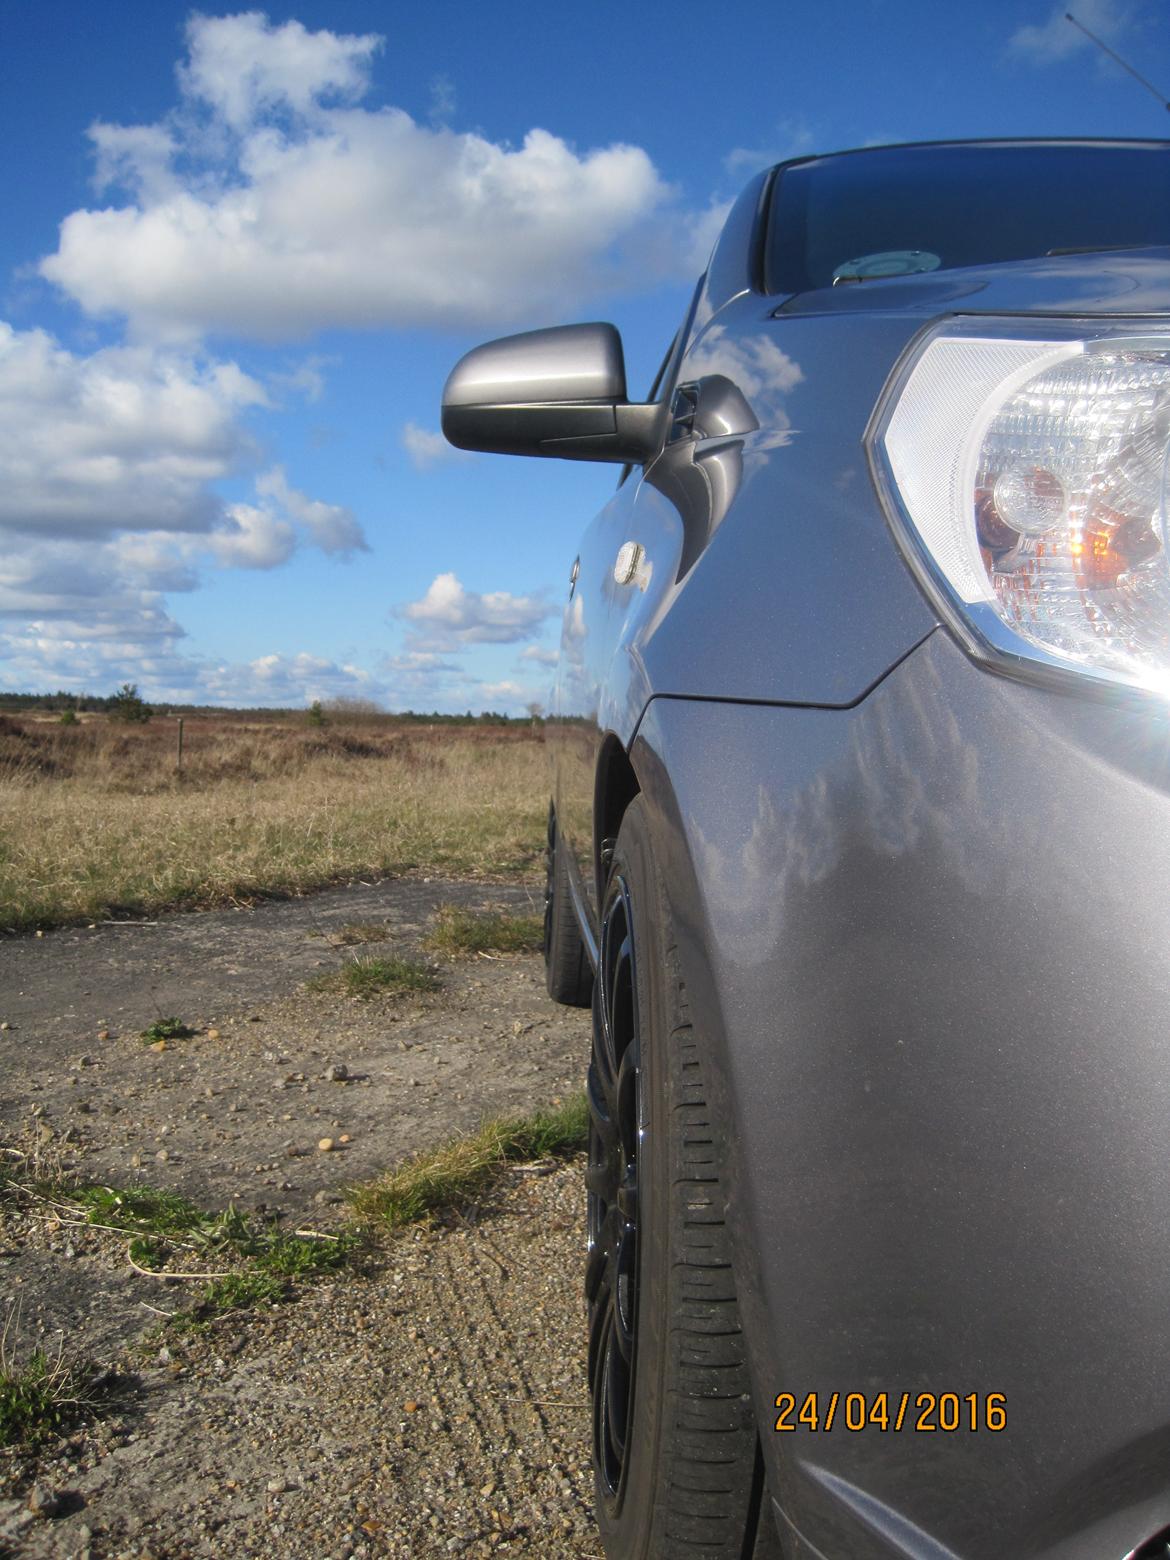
(596,696)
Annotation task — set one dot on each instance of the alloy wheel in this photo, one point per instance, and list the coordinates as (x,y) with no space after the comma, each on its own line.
(616,1149)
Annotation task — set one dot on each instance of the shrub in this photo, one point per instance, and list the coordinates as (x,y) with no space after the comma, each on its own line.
(127,705)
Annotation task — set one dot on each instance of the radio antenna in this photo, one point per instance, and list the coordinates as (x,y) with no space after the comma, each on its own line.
(1113,55)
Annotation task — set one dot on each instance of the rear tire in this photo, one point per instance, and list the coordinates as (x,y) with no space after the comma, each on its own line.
(676,1457)
(567,971)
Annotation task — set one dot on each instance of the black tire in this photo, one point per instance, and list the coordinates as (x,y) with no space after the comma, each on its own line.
(567,970)
(676,1461)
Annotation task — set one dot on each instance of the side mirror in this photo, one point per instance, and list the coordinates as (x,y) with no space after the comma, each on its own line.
(549,392)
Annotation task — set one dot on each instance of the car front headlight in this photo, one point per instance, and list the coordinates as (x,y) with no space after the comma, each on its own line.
(1025,468)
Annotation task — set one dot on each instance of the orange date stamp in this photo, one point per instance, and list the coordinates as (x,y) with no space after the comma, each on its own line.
(920,1412)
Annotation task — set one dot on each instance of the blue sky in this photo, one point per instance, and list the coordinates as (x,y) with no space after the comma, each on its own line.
(241,252)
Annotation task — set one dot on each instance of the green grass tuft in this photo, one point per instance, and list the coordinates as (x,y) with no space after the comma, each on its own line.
(143,1209)
(460,932)
(167,1029)
(166,1230)
(236,1292)
(464,1168)
(294,1256)
(370,977)
(42,1397)
(28,1404)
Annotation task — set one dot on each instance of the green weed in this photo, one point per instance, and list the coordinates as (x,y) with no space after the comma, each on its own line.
(461,1170)
(460,932)
(370,977)
(166,1029)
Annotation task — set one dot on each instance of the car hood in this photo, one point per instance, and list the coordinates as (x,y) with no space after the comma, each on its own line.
(1119,282)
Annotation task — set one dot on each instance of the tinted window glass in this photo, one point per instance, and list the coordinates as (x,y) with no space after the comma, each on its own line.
(903,210)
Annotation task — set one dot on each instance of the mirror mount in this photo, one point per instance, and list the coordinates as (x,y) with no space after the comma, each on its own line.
(558,392)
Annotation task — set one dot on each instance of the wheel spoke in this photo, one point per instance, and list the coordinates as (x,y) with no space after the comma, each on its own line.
(624,1287)
(603,1042)
(617,1401)
(595,1265)
(600,1102)
(627,1104)
(599,1322)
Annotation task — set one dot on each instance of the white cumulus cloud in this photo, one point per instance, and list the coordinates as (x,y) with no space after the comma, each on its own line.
(540,655)
(252,538)
(242,66)
(449,616)
(427,447)
(125,438)
(145,646)
(273,203)
(331,527)
(108,501)
(288,680)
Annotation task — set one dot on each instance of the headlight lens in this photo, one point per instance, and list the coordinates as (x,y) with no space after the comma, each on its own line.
(1029,477)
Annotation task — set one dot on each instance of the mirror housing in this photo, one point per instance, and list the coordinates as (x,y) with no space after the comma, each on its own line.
(558,392)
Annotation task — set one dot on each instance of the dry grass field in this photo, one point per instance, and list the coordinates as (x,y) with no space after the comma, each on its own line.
(95,819)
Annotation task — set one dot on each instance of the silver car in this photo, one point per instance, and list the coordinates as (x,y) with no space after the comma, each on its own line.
(860,847)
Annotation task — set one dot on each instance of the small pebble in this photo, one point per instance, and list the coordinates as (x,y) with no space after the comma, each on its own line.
(213,1034)
(158,1045)
(325,1145)
(338,1073)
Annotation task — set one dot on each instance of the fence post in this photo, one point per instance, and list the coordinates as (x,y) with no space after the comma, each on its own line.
(180,759)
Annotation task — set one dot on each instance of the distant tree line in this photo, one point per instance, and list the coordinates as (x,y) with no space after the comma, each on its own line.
(127,704)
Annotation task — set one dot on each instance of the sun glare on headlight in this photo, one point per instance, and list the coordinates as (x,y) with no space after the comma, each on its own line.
(1032,475)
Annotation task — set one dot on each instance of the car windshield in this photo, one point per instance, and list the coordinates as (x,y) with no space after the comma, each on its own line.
(899,211)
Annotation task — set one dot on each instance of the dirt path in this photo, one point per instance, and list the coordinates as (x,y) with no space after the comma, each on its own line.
(434,1405)
(238,1112)
(289,1432)
(121,974)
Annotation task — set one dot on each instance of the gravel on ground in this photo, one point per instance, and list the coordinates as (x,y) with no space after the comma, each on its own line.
(429,1401)
(434,1404)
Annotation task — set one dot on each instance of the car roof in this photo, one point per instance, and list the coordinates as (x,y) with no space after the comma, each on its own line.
(1147,143)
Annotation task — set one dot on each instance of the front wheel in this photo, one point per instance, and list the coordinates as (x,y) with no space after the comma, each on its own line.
(676,1460)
